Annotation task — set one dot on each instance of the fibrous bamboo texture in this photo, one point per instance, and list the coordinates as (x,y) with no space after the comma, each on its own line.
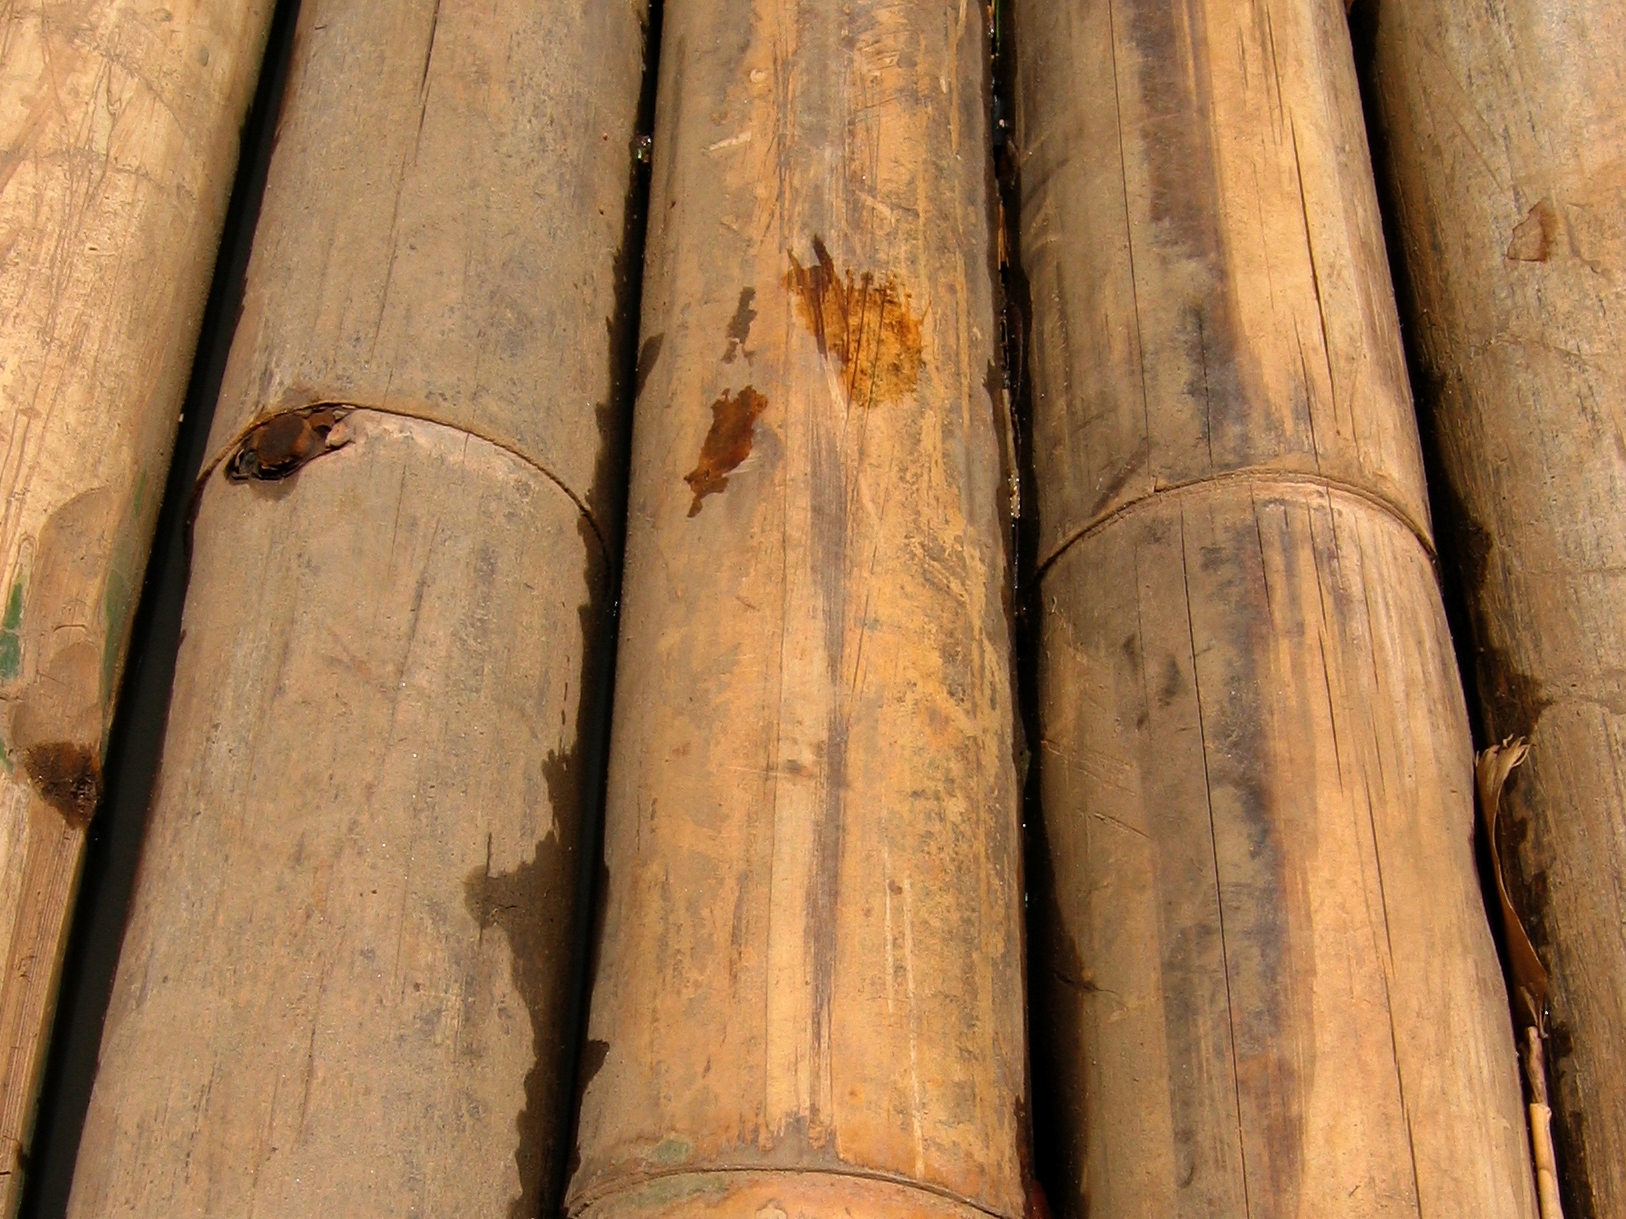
(1504,150)
(118,144)
(809,993)
(1263,975)
(342,990)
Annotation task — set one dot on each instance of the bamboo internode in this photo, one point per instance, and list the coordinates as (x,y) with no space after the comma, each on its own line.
(809,994)
(344,986)
(1504,149)
(118,144)
(1264,982)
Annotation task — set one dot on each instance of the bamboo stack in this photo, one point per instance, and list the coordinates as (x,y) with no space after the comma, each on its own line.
(118,146)
(809,993)
(343,988)
(1264,982)
(1504,149)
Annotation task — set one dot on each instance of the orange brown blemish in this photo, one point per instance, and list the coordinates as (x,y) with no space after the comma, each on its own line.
(727,444)
(864,323)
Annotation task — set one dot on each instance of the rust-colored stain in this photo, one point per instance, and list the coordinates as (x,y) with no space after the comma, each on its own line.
(68,777)
(864,323)
(1035,1205)
(283,443)
(733,424)
(1533,238)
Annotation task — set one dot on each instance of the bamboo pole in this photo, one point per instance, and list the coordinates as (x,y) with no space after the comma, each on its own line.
(809,994)
(1503,147)
(1264,982)
(343,988)
(118,144)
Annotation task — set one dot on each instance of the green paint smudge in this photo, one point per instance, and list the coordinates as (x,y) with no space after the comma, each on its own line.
(11,644)
(671,1151)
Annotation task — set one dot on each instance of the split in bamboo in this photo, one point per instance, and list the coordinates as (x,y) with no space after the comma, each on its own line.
(118,147)
(1264,983)
(809,994)
(1502,146)
(343,989)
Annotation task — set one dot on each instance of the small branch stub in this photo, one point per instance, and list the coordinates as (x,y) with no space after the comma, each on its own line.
(285,442)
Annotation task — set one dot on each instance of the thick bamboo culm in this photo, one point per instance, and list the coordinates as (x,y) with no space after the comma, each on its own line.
(118,145)
(1504,150)
(343,989)
(1264,980)
(808,999)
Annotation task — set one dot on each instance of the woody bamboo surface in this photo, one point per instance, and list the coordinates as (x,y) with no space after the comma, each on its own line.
(342,988)
(1264,983)
(118,144)
(808,998)
(1504,150)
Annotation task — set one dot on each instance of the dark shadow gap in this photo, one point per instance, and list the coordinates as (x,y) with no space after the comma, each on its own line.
(610,484)
(1044,1167)
(113,844)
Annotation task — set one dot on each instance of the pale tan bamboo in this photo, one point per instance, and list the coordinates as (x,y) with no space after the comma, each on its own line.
(809,995)
(118,145)
(343,986)
(1265,979)
(1503,147)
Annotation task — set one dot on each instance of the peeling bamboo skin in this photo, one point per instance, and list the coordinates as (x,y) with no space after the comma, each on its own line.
(1263,979)
(118,142)
(1513,238)
(343,989)
(809,989)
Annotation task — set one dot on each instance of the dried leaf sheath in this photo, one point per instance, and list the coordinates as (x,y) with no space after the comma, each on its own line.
(1492,767)
(1491,770)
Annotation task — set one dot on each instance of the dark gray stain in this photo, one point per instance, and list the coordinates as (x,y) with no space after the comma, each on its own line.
(1511,702)
(648,356)
(830,477)
(1264,904)
(68,777)
(1569,1132)
(532,907)
(1259,884)
(739,326)
(593,1056)
(1169,48)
